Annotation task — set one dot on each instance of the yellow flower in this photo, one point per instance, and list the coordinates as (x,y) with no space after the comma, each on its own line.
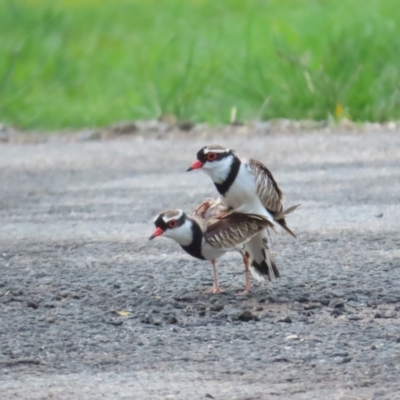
(338,110)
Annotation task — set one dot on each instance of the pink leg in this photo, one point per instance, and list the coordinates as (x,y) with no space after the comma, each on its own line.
(204,206)
(215,288)
(247,271)
(222,214)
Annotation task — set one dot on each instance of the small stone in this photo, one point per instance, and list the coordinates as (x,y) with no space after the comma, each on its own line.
(4,137)
(281,359)
(303,318)
(147,319)
(340,354)
(262,300)
(337,312)
(292,337)
(6,133)
(354,317)
(185,125)
(308,313)
(391,125)
(208,396)
(336,303)
(324,302)
(380,215)
(312,306)
(33,305)
(172,320)
(373,347)
(343,360)
(287,320)
(378,315)
(217,307)
(202,311)
(308,124)
(247,316)
(269,314)
(297,306)
(116,322)
(390,314)
(87,136)
(169,119)
(302,299)
(123,128)
(352,297)
(367,383)
(347,124)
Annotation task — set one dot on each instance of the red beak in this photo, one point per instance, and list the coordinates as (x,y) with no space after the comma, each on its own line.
(196,165)
(157,232)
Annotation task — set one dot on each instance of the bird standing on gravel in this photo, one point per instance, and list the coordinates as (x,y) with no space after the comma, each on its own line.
(247,186)
(208,234)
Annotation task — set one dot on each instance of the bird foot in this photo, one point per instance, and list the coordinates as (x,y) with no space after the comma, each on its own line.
(247,291)
(213,290)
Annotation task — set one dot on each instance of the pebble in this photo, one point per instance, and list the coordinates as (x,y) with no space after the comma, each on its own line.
(247,316)
(292,337)
(390,314)
(287,320)
(336,303)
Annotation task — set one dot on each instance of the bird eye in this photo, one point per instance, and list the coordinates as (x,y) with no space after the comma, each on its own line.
(172,223)
(211,156)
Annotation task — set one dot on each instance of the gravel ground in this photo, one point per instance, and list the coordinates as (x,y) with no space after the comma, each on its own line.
(90,309)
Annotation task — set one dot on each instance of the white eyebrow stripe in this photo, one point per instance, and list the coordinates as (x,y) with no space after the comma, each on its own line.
(177,216)
(215,151)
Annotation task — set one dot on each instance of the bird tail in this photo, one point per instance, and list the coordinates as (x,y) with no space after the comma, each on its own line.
(280,218)
(261,263)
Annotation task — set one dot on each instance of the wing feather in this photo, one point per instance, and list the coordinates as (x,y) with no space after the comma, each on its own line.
(268,190)
(231,230)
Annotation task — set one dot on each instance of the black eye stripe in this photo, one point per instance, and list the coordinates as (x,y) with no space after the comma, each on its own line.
(202,156)
(160,223)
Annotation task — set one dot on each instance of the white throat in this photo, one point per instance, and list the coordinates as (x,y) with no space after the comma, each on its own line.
(218,171)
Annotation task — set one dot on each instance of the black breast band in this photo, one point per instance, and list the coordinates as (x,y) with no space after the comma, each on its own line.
(227,183)
(194,248)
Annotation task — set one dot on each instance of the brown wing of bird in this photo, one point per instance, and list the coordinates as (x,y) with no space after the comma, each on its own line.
(270,194)
(234,229)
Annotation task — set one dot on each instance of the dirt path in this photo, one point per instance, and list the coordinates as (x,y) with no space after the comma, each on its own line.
(74,223)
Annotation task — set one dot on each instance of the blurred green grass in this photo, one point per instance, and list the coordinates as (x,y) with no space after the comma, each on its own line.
(94,62)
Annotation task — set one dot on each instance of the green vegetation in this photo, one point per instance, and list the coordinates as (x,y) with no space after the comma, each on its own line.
(94,62)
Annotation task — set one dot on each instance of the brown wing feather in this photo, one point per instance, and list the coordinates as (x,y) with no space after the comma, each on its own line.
(268,190)
(231,230)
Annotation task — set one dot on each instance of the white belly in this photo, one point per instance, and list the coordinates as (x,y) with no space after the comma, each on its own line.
(242,195)
(210,253)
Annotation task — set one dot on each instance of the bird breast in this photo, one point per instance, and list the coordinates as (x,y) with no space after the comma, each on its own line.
(243,192)
(211,253)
